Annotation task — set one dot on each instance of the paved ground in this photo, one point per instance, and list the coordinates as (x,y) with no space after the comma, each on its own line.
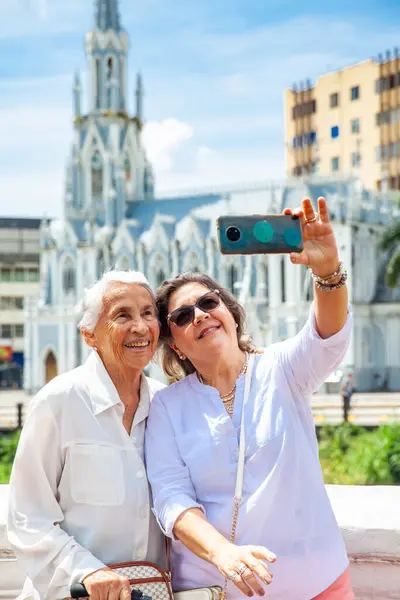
(366,409)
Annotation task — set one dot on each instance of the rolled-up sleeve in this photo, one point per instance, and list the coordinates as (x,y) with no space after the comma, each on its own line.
(172,488)
(51,558)
(309,359)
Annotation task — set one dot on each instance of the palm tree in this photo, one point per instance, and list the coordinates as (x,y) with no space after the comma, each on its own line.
(390,241)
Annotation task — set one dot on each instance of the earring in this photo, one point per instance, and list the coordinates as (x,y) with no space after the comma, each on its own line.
(237,325)
(182,356)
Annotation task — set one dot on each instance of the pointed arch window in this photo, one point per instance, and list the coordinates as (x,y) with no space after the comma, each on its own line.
(124,263)
(232,278)
(109,79)
(98,82)
(283,282)
(160,276)
(68,276)
(97,171)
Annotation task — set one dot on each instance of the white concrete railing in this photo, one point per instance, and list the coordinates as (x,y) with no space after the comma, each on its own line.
(368,516)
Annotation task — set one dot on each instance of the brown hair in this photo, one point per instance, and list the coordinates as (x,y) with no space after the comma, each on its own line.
(172,365)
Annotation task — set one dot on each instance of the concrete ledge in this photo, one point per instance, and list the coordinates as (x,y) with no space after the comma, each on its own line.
(369,518)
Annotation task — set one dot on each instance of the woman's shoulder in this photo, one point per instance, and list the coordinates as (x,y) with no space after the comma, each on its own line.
(175,390)
(58,392)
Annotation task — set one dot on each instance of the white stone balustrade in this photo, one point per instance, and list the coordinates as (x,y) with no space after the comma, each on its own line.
(368,516)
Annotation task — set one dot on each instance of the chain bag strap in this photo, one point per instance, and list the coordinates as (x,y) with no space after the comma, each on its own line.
(238,497)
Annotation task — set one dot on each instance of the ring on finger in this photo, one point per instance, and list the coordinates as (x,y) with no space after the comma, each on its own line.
(245,572)
(233,576)
(242,569)
(314,218)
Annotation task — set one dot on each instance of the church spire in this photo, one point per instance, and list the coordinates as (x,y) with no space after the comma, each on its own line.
(107,15)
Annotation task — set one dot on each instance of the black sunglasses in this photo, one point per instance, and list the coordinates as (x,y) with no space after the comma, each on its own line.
(184,315)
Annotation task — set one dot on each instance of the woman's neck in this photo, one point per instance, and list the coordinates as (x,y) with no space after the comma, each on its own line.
(127,383)
(223,371)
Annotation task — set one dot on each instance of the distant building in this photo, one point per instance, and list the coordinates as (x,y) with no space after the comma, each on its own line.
(349,120)
(19,277)
(112,219)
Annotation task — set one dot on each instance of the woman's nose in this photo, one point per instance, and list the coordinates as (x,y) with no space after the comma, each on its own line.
(139,326)
(199,315)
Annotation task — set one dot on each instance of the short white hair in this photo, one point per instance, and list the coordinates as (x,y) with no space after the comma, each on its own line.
(92,303)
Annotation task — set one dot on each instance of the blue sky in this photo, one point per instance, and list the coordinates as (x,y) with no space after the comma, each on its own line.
(214,71)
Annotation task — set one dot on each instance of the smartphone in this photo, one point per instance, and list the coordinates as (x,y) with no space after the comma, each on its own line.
(259,234)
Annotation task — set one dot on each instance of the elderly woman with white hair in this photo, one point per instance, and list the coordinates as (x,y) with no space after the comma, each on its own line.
(79,496)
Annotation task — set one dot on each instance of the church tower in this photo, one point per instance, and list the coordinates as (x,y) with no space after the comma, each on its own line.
(107,170)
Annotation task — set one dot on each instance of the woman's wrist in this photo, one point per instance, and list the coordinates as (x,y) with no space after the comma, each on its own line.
(327,270)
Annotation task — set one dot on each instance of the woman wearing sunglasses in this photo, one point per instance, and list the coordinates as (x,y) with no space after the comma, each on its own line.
(286,534)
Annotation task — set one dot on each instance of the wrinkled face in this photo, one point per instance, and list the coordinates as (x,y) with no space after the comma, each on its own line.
(209,334)
(127,331)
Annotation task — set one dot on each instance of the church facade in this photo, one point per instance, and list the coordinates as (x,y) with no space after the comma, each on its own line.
(113,220)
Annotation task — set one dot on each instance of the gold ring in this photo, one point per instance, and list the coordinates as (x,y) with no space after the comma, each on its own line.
(311,220)
(233,576)
(242,569)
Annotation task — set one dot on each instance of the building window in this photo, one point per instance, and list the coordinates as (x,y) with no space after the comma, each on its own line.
(335,163)
(303,110)
(160,277)
(335,132)
(97,175)
(98,82)
(33,275)
(19,275)
(68,276)
(355,126)
(5,275)
(5,331)
(19,331)
(355,92)
(334,100)
(232,279)
(19,303)
(283,282)
(355,159)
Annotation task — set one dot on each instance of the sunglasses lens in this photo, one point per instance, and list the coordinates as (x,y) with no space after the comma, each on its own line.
(182,317)
(208,303)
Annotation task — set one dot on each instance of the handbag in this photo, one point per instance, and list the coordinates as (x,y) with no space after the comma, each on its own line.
(148,577)
(216,592)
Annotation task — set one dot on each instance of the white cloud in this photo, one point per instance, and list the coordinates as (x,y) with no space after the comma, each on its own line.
(162,139)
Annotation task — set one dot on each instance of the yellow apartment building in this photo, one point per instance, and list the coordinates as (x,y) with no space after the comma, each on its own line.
(349,121)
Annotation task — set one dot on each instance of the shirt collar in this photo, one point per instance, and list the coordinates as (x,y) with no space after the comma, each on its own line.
(104,394)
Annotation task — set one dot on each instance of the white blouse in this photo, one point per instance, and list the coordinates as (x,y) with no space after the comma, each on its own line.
(192,452)
(79,495)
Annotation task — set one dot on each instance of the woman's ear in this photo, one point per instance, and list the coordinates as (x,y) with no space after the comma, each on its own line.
(178,352)
(89,337)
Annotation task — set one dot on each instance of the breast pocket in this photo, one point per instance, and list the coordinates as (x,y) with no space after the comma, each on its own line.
(96,475)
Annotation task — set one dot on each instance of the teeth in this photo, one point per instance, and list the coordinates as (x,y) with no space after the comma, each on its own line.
(208,331)
(138,345)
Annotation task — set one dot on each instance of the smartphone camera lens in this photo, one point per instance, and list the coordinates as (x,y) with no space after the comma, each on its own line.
(233,234)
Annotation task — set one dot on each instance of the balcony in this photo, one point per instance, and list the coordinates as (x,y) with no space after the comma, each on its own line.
(368,516)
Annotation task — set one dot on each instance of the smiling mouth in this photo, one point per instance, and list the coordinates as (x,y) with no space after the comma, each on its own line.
(138,344)
(208,331)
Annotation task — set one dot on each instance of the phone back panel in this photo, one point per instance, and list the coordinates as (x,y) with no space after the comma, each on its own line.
(259,234)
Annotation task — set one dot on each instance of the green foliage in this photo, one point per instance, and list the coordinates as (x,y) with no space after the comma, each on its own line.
(8,447)
(349,454)
(390,241)
(353,455)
